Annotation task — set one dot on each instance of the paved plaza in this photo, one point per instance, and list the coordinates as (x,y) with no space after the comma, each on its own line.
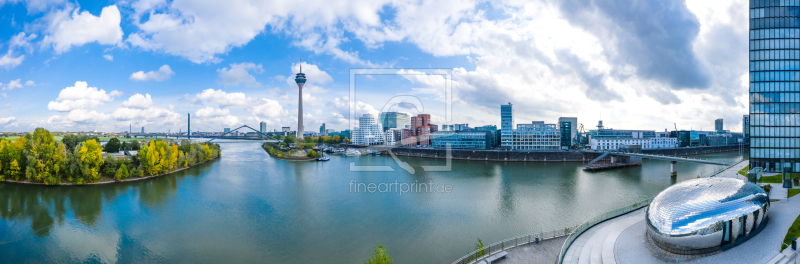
(622,239)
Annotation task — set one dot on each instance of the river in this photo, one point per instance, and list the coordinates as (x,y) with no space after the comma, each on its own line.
(249,208)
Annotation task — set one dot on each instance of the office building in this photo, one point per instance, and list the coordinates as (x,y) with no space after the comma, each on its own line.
(535,136)
(746,128)
(506,125)
(494,137)
(718,125)
(227,130)
(393,136)
(774,125)
(322,129)
(419,132)
(569,130)
(369,131)
(263,127)
(391,120)
(461,139)
(142,130)
(286,129)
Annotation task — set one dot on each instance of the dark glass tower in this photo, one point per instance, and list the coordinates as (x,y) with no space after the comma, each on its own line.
(774,87)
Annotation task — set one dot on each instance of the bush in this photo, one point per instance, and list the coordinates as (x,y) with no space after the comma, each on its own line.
(122,172)
(312,154)
(380,256)
(767,188)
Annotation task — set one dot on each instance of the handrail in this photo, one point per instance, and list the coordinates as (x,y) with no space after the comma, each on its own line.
(596,220)
(512,243)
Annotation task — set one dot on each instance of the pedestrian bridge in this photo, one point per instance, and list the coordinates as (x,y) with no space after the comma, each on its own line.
(671,159)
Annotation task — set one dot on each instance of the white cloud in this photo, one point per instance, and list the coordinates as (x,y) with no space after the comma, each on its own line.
(8,60)
(224,99)
(138,101)
(86,116)
(7,120)
(13,84)
(80,96)
(30,83)
(108,57)
(151,114)
(23,41)
(199,30)
(211,112)
(267,108)
(240,73)
(69,27)
(163,73)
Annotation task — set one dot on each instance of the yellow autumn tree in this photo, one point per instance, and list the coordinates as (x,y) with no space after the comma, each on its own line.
(91,157)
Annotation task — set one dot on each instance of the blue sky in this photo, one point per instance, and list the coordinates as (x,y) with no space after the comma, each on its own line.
(105,65)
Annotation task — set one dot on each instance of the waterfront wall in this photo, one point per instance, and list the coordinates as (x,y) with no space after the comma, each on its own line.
(695,150)
(496,155)
(573,155)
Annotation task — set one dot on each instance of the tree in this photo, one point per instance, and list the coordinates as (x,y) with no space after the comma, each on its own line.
(380,256)
(122,172)
(91,157)
(312,154)
(112,146)
(13,170)
(110,165)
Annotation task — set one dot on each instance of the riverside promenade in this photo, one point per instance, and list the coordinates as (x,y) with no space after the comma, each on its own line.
(622,239)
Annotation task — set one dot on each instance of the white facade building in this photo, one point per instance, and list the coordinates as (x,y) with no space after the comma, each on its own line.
(646,143)
(393,136)
(536,136)
(368,132)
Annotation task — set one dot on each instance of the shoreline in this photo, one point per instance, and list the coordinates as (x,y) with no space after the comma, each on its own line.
(287,159)
(112,180)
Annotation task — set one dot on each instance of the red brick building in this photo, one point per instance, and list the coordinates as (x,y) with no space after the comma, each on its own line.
(419,133)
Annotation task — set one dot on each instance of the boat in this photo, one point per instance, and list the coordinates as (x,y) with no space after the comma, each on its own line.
(352,152)
(323,158)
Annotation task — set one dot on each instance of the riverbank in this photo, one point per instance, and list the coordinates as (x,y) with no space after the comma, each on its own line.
(544,156)
(274,151)
(110,180)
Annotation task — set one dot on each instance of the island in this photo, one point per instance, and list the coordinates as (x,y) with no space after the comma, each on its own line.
(38,158)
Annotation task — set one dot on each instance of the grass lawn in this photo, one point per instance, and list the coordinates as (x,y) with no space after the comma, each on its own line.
(793,192)
(743,172)
(793,232)
(772,179)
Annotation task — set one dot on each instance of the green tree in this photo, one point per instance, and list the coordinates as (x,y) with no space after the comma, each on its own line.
(122,172)
(312,154)
(481,251)
(110,165)
(380,256)
(112,146)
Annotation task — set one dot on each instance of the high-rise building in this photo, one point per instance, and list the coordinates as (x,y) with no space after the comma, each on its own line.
(774,83)
(746,128)
(506,125)
(142,130)
(300,80)
(569,131)
(394,120)
(322,129)
(718,125)
(368,132)
(263,129)
(419,132)
(227,130)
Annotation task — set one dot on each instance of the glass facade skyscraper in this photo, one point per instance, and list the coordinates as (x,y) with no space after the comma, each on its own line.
(506,125)
(775,84)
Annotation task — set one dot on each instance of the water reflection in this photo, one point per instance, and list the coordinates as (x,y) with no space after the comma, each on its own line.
(44,207)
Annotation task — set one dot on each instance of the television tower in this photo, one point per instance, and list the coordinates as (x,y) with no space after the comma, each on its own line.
(300,80)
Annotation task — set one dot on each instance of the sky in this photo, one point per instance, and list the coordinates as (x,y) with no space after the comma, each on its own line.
(111,65)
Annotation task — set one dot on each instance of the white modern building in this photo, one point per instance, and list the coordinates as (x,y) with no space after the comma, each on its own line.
(393,136)
(535,136)
(368,132)
(645,143)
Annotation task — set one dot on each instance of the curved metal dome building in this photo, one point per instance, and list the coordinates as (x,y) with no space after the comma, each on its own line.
(705,215)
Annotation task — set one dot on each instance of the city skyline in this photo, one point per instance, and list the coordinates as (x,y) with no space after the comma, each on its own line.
(129,70)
